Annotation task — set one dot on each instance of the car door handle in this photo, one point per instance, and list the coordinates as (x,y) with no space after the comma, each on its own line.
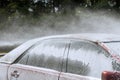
(15,74)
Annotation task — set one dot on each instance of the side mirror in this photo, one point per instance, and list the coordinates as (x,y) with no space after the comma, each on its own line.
(109,75)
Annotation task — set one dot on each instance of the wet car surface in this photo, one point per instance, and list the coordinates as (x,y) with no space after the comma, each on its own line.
(62,57)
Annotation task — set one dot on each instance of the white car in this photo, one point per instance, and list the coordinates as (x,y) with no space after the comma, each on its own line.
(63,57)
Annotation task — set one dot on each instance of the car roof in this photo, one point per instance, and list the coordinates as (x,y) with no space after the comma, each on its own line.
(85,36)
(95,37)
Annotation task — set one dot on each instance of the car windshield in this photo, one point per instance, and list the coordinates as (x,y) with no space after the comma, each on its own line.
(114,47)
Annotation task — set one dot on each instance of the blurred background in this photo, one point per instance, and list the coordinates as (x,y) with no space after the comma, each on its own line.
(22,20)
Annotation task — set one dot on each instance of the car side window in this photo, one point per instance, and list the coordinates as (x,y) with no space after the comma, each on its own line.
(47,54)
(87,58)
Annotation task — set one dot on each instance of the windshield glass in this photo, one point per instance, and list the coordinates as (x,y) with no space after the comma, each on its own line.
(114,47)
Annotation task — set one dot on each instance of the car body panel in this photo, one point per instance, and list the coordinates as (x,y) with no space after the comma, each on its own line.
(32,73)
(69,76)
(4,71)
(25,72)
(41,54)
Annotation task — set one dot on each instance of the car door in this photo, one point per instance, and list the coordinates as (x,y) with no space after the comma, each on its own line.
(85,58)
(43,61)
